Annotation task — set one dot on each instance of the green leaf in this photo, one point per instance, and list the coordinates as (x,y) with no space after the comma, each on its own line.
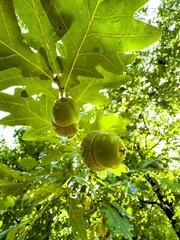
(88,91)
(15,52)
(117,222)
(11,235)
(83,181)
(102,174)
(121,210)
(80,40)
(131,188)
(150,165)
(6,172)
(27,111)
(40,32)
(12,188)
(110,123)
(121,169)
(100,33)
(77,220)
(6,203)
(41,194)
(172,183)
(33,85)
(28,163)
(11,231)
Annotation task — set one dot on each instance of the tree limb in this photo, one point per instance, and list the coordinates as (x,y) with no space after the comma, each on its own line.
(164,204)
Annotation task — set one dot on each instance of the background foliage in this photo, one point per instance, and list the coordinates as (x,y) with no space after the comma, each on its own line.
(83,47)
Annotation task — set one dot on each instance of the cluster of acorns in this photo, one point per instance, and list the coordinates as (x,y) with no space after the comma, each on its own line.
(99,150)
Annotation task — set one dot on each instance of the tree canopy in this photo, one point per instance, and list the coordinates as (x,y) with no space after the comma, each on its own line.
(122,71)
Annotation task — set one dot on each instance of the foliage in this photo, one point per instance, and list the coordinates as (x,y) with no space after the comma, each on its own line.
(73,45)
(82,49)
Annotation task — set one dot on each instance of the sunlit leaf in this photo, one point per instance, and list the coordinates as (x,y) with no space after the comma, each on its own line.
(6,172)
(88,91)
(33,85)
(117,171)
(110,123)
(77,220)
(102,174)
(6,203)
(28,163)
(29,112)
(41,33)
(96,38)
(11,231)
(15,52)
(117,222)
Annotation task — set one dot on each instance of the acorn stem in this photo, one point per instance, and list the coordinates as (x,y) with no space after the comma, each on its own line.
(62,92)
(79,136)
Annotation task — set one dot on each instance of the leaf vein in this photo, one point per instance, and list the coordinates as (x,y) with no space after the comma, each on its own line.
(81,44)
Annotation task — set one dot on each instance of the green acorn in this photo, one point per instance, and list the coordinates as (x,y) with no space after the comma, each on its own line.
(86,201)
(101,150)
(101,229)
(66,117)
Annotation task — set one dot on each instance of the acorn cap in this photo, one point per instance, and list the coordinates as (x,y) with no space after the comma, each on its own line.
(86,151)
(69,131)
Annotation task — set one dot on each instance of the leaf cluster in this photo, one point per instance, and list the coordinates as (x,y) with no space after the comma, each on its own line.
(82,49)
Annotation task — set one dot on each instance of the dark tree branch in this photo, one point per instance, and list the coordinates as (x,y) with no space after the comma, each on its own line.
(150,202)
(164,204)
